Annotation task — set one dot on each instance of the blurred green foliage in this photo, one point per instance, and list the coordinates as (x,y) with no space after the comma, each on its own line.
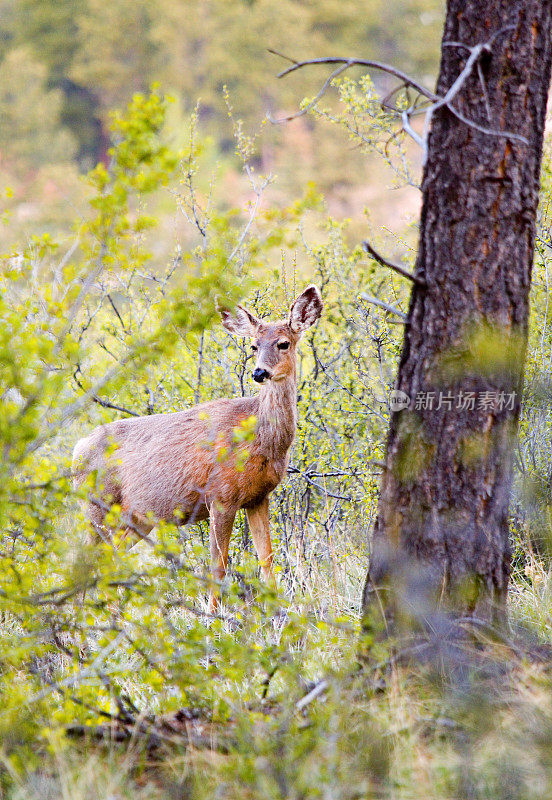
(102,54)
(68,65)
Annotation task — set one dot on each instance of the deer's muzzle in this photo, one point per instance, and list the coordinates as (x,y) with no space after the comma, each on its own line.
(260,375)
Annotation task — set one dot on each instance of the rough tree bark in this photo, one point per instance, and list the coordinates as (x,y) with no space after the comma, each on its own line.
(445,490)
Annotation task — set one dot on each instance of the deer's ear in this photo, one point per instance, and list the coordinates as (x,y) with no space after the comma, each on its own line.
(305,310)
(240,323)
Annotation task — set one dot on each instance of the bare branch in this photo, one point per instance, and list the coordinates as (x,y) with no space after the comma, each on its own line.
(420,140)
(380,304)
(321,93)
(361,62)
(116,310)
(484,90)
(258,189)
(475,54)
(487,131)
(406,82)
(395,267)
(323,490)
(320,688)
(282,55)
(125,519)
(100,400)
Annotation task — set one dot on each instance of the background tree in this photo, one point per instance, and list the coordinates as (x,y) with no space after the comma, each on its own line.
(31,129)
(51,32)
(446,485)
(98,58)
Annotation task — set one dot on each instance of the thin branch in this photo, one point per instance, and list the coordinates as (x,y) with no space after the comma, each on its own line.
(258,189)
(320,688)
(420,140)
(125,519)
(488,43)
(323,490)
(380,304)
(386,100)
(405,82)
(173,559)
(475,54)
(116,310)
(74,678)
(395,267)
(199,612)
(362,62)
(487,131)
(484,90)
(314,101)
(266,683)
(282,55)
(453,90)
(100,401)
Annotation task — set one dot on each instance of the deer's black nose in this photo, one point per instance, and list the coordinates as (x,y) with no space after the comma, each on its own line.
(260,375)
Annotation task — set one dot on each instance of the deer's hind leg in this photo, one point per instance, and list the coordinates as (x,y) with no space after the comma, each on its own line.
(258,519)
(221,521)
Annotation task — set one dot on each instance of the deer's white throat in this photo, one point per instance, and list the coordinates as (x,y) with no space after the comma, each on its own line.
(277,417)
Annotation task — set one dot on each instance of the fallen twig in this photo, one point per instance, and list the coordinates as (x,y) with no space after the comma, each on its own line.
(320,688)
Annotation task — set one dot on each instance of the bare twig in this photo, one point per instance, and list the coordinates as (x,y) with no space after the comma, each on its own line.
(407,127)
(395,267)
(406,82)
(73,678)
(116,310)
(322,489)
(100,400)
(380,304)
(360,62)
(197,390)
(320,688)
(259,190)
(314,101)
(487,131)
(484,90)
(125,520)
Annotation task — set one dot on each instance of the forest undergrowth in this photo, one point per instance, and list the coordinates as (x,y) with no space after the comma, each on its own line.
(115,680)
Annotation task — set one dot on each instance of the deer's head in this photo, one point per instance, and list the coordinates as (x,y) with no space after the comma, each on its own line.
(275,343)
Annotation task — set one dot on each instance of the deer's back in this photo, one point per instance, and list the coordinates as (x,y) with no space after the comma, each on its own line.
(184,460)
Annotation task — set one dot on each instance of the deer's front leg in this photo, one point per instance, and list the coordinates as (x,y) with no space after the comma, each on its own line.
(260,533)
(221,521)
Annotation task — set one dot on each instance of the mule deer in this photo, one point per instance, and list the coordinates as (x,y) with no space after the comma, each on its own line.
(185,466)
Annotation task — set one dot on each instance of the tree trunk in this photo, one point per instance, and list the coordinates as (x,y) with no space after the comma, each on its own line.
(445,490)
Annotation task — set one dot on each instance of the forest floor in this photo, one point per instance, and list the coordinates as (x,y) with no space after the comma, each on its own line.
(474,720)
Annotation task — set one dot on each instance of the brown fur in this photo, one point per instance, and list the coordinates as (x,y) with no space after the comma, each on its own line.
(185,466)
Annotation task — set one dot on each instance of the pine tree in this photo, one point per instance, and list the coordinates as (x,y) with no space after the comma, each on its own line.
(445,489)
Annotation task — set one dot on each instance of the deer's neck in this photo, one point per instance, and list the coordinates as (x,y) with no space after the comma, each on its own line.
(277,418)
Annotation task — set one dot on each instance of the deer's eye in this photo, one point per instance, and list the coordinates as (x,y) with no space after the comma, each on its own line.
(254,347)
(283,345)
